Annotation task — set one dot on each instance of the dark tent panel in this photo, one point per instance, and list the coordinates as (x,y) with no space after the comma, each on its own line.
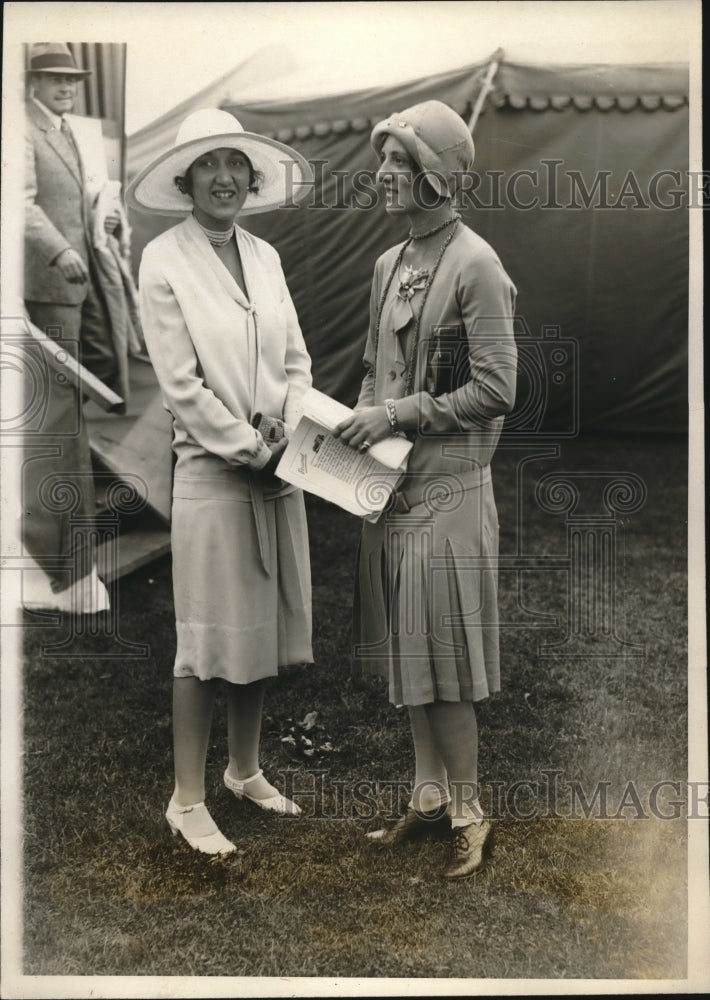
(587,209)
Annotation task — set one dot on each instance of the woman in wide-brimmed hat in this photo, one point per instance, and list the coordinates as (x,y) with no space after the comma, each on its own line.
(225,343)
(441,367)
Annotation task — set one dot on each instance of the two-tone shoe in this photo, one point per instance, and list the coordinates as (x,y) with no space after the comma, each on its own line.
(276,802)
(188,820)
(414,825)
(469,847)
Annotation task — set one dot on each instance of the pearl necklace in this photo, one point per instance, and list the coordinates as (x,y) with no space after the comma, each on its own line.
(411,360)
(217,237)
(436,229)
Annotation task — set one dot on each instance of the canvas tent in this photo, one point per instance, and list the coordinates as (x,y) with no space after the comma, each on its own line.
(152,139)
(583,176)
(583,192)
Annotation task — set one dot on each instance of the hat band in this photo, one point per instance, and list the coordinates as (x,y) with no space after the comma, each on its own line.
(53,62)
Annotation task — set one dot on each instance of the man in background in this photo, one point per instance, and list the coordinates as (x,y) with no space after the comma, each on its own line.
(63,297)
(62,290)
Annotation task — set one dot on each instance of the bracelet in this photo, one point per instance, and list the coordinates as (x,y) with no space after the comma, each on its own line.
(392,416)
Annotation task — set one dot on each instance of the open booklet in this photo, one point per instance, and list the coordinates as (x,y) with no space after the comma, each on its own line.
(360,482)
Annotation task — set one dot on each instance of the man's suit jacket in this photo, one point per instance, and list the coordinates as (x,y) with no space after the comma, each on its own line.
(57,211)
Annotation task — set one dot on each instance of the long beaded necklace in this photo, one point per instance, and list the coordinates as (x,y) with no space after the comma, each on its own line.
(410,365)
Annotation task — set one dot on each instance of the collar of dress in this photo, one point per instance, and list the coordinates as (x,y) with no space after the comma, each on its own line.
(202,246)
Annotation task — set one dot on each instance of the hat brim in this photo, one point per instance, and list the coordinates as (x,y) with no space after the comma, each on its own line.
(287,176)
(61,71)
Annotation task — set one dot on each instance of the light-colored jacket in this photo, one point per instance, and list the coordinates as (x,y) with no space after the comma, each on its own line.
(57,211)
(221,357)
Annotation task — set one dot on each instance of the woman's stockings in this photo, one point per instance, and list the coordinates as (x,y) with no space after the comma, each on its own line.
(454,734)
(193,704)
(430,780)
(245,704)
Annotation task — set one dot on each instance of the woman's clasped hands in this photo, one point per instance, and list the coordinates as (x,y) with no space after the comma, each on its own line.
(267,474)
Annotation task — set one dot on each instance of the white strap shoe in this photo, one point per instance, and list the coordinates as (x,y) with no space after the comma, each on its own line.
(181,818)
(276,803)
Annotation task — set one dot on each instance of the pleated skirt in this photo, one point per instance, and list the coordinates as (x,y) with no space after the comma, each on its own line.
(234,619)
(426,601)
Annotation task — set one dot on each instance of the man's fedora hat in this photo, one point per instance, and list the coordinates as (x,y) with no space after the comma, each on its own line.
(54,57)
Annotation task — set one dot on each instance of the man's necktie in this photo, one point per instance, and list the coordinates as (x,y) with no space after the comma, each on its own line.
(69,136)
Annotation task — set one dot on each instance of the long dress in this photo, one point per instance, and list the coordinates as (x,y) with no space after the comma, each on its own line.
(426,615)
(241,570)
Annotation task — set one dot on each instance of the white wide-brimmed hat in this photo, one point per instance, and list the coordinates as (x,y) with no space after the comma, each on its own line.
(287,176)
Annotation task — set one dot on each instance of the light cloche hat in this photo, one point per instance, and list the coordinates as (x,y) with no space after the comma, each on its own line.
(287,176)
(435,137)
(54,57)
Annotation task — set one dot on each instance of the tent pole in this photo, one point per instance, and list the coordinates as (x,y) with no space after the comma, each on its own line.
(486,88)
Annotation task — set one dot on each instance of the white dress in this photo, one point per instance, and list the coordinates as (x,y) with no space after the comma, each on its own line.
(241,570)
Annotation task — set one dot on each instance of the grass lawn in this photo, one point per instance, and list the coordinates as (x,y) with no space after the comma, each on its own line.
(108,891)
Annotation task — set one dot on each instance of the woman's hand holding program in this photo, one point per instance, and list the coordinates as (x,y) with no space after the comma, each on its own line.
(365,427)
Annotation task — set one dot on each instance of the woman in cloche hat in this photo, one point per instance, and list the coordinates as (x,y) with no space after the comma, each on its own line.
(225,343)
(441,370)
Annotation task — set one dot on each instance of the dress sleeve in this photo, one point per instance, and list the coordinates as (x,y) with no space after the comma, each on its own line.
(208,421)
(486,299)
(297,359)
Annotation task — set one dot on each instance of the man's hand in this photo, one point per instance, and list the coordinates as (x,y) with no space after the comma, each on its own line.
(72,266)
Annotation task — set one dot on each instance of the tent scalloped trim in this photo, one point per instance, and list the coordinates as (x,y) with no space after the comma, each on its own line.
(586,102)
(555,102)
(340,126)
